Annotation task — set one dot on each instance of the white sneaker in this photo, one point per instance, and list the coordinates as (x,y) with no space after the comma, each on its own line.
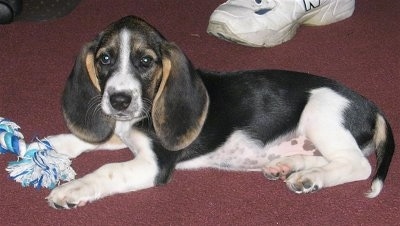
(268,23)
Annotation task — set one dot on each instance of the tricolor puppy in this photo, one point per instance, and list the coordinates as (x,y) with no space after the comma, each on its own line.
(132,88)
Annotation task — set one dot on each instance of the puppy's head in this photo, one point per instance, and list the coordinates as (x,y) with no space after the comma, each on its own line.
(128,73)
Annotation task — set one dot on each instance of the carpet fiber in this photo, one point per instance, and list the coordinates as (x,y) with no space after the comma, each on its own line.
(362,52)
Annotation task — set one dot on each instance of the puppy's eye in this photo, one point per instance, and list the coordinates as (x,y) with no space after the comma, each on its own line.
(146,61)
(105,59)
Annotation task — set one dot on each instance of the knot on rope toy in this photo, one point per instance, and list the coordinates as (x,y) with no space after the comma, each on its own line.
(38,164)
(11,140)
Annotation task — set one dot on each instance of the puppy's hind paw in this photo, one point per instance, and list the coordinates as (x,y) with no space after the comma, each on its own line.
(303,182)
(278,171)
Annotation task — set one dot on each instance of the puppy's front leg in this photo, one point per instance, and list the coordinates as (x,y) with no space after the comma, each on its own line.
(71,146)
(109,179)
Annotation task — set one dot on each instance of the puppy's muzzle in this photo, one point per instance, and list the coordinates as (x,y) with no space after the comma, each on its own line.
(120,101)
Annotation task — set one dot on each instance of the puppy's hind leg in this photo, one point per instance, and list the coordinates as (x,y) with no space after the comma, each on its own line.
(321,122)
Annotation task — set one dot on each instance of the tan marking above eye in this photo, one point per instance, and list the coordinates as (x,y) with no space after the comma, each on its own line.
(143,53)
(151,53)
(101,51)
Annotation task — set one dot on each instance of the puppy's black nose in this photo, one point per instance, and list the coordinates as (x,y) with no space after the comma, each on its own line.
(120,101)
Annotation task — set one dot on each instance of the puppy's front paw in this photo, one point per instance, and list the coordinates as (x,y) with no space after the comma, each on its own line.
(71,195)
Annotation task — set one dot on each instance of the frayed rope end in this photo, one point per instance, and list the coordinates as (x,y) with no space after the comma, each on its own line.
(41,167)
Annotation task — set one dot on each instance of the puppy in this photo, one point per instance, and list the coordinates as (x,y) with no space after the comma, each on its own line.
(132,88)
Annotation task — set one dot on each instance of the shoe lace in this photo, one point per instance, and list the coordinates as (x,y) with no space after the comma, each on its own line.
(263,6)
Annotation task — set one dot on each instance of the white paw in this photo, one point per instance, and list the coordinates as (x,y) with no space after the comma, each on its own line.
(71,195)
(305,181)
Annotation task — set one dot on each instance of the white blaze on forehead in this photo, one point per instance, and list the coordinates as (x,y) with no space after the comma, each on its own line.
(121,80)
(124,52)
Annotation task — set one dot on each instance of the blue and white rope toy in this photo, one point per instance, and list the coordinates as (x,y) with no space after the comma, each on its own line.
(38,165)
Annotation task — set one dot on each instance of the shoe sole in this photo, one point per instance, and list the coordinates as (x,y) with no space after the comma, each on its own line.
(222,31)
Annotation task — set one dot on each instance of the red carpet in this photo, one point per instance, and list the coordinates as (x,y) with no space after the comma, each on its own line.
(362,52)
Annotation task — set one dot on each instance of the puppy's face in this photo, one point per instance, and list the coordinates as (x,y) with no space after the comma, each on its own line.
(128,64)
(130,72)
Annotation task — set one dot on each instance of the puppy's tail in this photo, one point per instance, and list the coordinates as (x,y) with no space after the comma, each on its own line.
(384,144)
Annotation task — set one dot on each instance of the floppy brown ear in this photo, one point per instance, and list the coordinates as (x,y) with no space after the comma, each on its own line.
(81,100)
(181,103)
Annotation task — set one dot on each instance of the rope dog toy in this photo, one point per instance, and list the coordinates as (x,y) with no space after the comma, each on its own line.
(38,164)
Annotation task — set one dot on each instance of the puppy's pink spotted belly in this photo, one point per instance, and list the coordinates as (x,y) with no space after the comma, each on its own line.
(243,155)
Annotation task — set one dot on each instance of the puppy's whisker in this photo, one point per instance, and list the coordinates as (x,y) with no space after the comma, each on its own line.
(147,103)
(94,107)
